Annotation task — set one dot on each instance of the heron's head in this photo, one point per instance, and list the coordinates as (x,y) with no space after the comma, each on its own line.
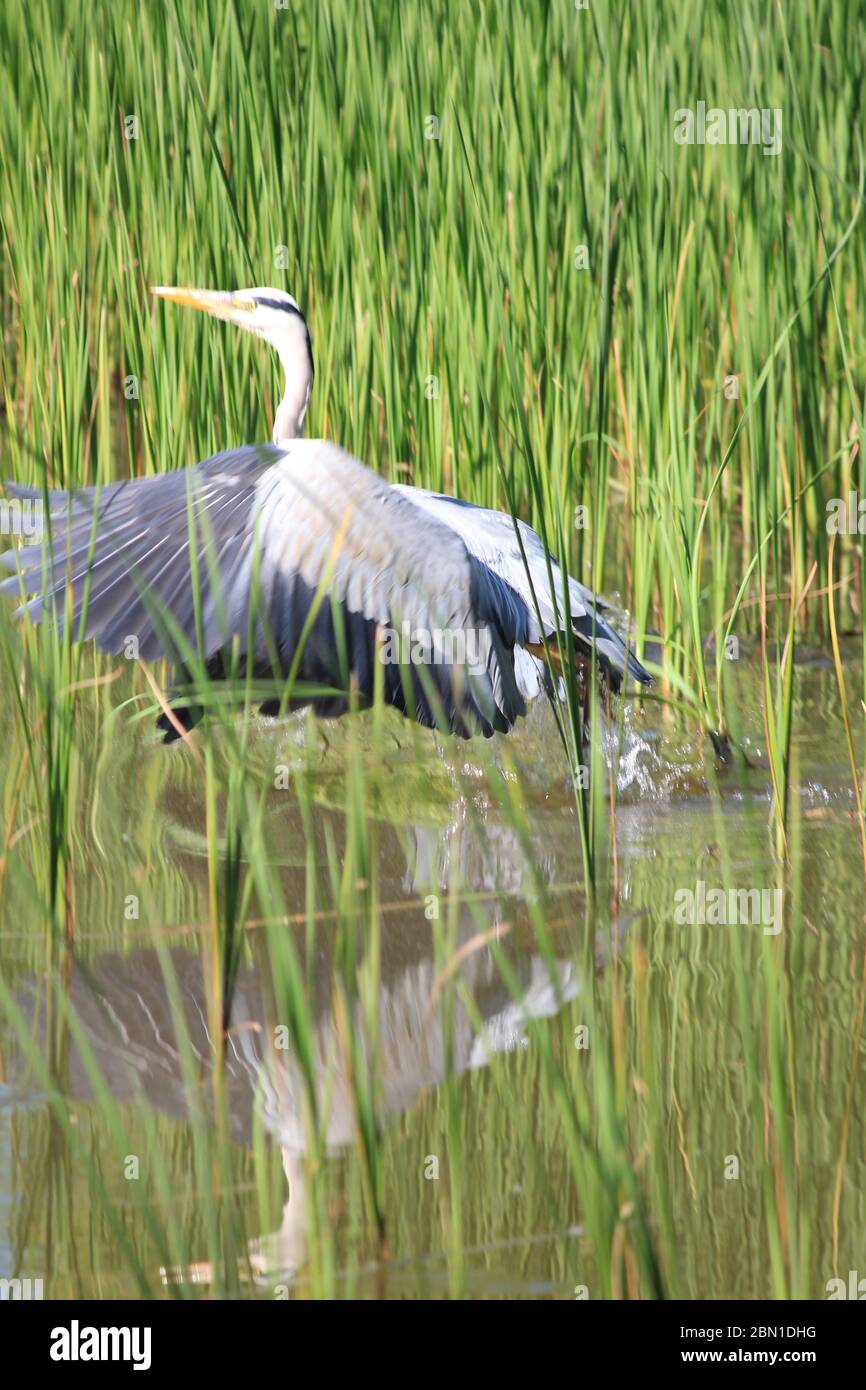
(274,316)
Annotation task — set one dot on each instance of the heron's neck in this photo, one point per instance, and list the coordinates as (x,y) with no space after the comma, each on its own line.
(289,420)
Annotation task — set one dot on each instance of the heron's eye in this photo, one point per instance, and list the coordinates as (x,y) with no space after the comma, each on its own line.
(245,306)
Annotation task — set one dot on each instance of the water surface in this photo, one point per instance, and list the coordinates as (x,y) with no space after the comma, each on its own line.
(458,989)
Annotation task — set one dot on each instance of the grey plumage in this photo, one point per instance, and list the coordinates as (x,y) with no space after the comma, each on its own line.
(490,537)
(294,558)
(262,527)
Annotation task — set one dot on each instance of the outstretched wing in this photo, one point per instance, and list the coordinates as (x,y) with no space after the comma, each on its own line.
(490,537)
(293,554)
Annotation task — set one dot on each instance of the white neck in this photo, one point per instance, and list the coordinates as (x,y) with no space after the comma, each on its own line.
(294,355)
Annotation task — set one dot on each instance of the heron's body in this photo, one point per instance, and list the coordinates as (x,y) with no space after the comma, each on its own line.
(295,559)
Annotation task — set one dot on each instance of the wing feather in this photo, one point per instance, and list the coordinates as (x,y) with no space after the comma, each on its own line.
(490,537)
(247,549)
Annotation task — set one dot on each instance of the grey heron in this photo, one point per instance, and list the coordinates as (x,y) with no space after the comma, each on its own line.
(292,559)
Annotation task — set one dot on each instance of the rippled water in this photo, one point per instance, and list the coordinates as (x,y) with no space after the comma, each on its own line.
(438,834)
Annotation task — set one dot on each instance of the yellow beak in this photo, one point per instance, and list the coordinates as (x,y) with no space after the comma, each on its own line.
(221,303)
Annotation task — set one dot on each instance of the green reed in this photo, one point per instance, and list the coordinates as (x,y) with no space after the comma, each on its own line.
(521,290)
